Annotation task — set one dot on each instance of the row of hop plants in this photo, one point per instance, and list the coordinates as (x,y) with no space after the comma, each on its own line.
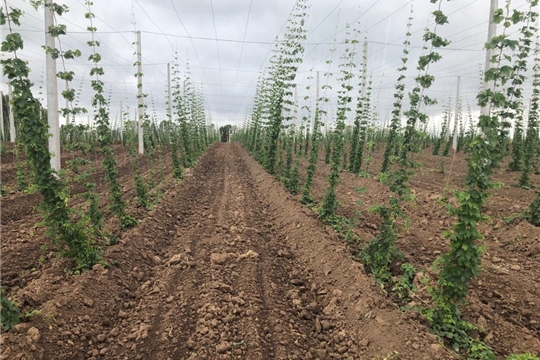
(500,101)
(78,234)
(274,106)
(347,149)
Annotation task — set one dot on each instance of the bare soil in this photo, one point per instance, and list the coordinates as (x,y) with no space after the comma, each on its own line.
(25,247)
(505,300)
(227,265)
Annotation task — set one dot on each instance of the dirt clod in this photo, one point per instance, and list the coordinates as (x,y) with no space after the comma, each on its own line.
(250,254)
(33,335)
(220,258)
(223,346)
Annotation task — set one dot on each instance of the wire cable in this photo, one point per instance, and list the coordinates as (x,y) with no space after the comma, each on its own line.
(243,42)
(217,47)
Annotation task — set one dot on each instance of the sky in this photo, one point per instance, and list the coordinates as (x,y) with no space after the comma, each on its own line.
(227,43)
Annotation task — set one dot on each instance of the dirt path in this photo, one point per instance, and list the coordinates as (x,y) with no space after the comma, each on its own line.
(228,266)
(228,290)
(233,286)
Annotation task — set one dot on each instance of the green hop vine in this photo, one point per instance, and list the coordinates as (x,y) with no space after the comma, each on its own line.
(462,262)
(71,238)
(101,118)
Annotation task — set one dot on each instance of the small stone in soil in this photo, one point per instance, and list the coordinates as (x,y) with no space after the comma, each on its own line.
(33,334)
(223,346)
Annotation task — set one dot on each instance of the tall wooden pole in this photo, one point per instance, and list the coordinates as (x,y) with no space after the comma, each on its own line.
(2,114)
(296,122)
(492,32)
(121,128)
(52,90)
(169,97)
(140,95)
(12,133)
(456,119)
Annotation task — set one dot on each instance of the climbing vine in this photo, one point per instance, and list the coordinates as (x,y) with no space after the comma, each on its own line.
(101,118)
(71,238)
(462,262)
(282,76)
(381,251)
(316,136)
(398,100)
(531,140)
(329,204)
(360,120)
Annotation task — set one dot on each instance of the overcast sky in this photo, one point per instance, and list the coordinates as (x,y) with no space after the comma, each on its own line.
(228,42)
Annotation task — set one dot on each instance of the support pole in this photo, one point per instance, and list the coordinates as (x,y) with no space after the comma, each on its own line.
(492,32)
(317,89)
(364,69)
(121,124)
(169,97)
(140,95)
(12,133)
(456,119)
(52,91)
(364,72)
(296,120)
(317,94)
(67,107)
(2,114)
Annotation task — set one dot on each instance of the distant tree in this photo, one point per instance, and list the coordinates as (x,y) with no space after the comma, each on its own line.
(225,133)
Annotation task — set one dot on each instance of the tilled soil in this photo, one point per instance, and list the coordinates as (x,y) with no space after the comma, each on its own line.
(228,265)
(16,206)
(25,248)
(504,301)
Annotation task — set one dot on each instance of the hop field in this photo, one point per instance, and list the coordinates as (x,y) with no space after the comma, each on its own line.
(324,217)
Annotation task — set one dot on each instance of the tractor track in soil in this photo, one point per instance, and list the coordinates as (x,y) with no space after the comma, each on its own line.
(245,297)
(227,266)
